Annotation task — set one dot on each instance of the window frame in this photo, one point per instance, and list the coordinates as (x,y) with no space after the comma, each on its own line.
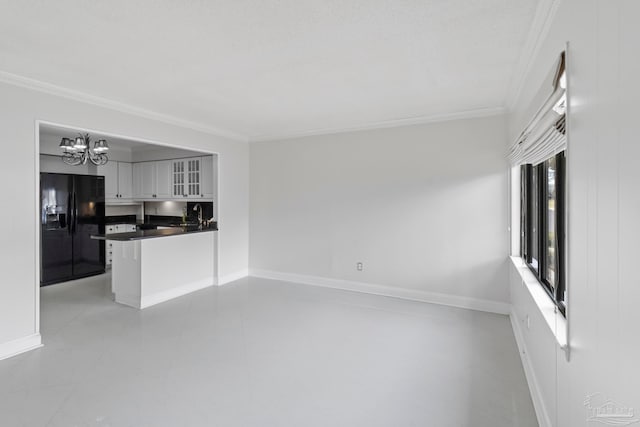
(539,231)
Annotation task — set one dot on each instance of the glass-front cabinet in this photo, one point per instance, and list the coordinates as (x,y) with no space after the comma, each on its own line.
(193,177)
(190,178)
(178,178)
(187,177)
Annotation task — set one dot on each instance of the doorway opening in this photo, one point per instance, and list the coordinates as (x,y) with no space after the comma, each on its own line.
(144,185)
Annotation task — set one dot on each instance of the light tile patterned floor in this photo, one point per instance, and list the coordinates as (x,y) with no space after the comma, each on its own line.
(261,353)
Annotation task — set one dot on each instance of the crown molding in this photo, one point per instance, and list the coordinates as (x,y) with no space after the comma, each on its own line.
(37,85)
(468,114)
(51,89)
(542,20)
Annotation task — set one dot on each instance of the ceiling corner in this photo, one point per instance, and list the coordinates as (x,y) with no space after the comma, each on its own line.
(544,16)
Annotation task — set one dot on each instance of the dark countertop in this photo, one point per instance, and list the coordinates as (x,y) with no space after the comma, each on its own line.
(121,219)
(153,221)
(150,234)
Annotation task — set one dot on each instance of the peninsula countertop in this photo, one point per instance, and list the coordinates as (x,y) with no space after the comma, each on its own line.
(151,234)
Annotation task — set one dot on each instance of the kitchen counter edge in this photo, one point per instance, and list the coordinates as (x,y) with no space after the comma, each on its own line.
(151,234)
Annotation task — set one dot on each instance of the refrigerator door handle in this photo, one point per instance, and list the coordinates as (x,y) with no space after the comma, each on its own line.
(69,219)
(75,213)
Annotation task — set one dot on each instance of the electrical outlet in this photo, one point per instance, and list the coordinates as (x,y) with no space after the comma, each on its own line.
(359,266)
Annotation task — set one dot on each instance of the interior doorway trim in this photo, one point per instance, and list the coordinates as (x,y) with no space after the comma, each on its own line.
(38,124)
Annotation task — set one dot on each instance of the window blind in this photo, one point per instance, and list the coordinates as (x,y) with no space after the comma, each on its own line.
(545,135)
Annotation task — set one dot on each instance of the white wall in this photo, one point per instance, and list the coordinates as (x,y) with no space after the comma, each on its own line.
(53,164)
(50,145)
(423,207)
(19,110)
(604,212)
(163,153)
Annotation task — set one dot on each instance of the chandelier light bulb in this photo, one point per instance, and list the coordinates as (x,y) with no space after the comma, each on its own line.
(80,143)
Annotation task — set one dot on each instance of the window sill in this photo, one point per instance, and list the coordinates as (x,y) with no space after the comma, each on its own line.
(556,322)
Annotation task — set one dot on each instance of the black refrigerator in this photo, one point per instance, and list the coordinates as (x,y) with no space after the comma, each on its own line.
(71,209)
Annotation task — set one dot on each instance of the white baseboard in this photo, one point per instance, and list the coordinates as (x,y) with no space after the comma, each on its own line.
(534,388)
(128,300)
(148,301)
(223,280)
(389,291)
(21,345)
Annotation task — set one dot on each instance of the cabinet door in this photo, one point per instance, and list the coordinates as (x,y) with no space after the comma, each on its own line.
(109,251)
(110,172)
(137,181)
(206,177)
(163,179)
(177,179)
(125,180)
(148,180)
(193,177)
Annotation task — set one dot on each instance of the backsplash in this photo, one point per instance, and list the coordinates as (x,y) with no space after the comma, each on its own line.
(176,209)
(164,208)
(120,210)
(207,210)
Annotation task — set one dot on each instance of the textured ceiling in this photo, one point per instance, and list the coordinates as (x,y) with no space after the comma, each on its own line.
(271,68)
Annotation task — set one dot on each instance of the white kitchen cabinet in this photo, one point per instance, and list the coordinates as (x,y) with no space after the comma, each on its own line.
(110,172)
(145,180)
(177,178)
(113,229)
(163,179)
(206,184)
(118,180)
(125,228)
(109,255)
(185,178)
(125,180)
(192,178)
(152,180)
(137,181)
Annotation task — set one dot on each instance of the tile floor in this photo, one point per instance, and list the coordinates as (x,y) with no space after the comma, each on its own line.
(264,353)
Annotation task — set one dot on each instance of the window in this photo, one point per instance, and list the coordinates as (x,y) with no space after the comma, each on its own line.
(542,207)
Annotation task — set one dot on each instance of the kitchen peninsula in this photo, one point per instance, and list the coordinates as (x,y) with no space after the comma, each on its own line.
(153,266)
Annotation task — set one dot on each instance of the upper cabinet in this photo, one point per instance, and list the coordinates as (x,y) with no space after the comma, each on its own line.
(177,179)
(144,180)
(163,179)
(186,177)
(192,178)
(151,180)
(118,180)
(125,180)
(206,177)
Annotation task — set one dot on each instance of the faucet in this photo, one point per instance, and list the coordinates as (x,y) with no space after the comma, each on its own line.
(198,208)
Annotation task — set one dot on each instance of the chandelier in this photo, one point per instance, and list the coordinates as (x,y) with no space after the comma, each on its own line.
(77,151)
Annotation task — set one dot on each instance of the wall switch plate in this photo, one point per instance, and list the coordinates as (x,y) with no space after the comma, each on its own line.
(528,322)
(359,266)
